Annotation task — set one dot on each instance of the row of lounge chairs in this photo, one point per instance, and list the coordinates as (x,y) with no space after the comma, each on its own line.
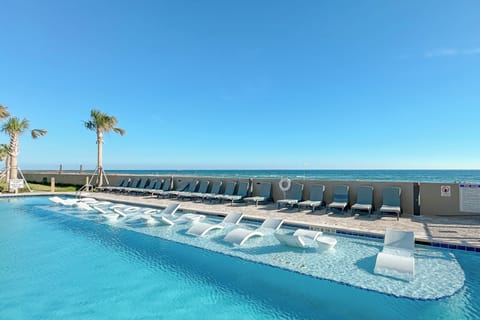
(234,192)
(301,238)
(364,201)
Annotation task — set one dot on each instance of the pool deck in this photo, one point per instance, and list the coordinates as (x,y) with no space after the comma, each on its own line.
(459,231)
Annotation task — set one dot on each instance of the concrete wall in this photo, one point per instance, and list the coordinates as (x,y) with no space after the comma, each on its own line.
(431,202)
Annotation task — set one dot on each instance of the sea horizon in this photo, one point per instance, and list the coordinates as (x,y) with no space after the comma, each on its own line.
(400,175)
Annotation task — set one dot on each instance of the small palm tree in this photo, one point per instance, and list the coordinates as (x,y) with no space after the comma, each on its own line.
(14,127)
(101,122)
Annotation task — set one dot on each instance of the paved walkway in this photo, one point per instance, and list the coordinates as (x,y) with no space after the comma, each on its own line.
(459,231)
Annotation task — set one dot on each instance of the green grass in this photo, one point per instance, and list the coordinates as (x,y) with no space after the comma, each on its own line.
(43,188)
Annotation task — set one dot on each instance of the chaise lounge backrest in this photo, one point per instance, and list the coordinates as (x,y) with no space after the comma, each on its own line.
(340,193)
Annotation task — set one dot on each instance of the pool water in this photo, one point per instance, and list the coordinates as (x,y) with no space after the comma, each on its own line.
(57,266)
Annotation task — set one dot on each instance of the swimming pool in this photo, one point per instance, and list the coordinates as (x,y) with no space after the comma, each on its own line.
(56,265)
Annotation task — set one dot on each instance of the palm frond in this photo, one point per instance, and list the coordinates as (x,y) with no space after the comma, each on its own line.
(15,126)
(4,112)
(120,131)
(37,133)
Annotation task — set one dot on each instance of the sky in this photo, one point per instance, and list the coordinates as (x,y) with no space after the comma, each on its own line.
(345,84)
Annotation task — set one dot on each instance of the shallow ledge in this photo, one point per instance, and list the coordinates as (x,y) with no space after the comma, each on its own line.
(439,275)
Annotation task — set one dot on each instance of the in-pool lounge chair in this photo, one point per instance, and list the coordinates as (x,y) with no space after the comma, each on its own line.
(340,197)
(364,199)
(163,217)
(242,192)
(200,229)
(317,192)
(238,236)
(391,201)
(265,194)
(303,238)
(294,196)
(397,257)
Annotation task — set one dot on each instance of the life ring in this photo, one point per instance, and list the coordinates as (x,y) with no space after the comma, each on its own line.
(285,184)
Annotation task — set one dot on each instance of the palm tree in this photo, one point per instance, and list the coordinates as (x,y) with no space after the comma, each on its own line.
(14,127)
(101,122)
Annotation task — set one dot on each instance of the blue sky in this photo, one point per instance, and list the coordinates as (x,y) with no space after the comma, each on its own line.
(246,84)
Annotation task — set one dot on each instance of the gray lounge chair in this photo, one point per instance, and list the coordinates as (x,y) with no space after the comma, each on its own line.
(316,197)
(391,201)
(182,186)
(364,199)
(202,189)
(140,186)
(164,188)
(119,184)
(149,187)
(265,194)
(229,191)
(133,183)
(214,191)
(242,192)
(340,197)
(192,187)
(294,196)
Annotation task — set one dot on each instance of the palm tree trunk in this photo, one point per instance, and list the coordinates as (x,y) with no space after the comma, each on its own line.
(13,156)
(99,157)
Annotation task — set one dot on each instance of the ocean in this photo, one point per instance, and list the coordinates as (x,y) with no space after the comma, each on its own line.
(440,176)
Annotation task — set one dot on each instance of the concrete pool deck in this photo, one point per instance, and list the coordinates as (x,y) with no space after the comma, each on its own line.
(459,231)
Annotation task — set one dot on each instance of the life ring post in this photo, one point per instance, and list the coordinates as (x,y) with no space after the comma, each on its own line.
(285,184)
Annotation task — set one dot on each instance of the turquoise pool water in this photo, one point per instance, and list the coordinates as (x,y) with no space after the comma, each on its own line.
(58,266)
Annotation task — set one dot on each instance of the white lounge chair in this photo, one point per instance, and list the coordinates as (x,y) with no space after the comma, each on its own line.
(65,202)
(303,238)
(163,217)
(240,235)
(397,257)
(200,229)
